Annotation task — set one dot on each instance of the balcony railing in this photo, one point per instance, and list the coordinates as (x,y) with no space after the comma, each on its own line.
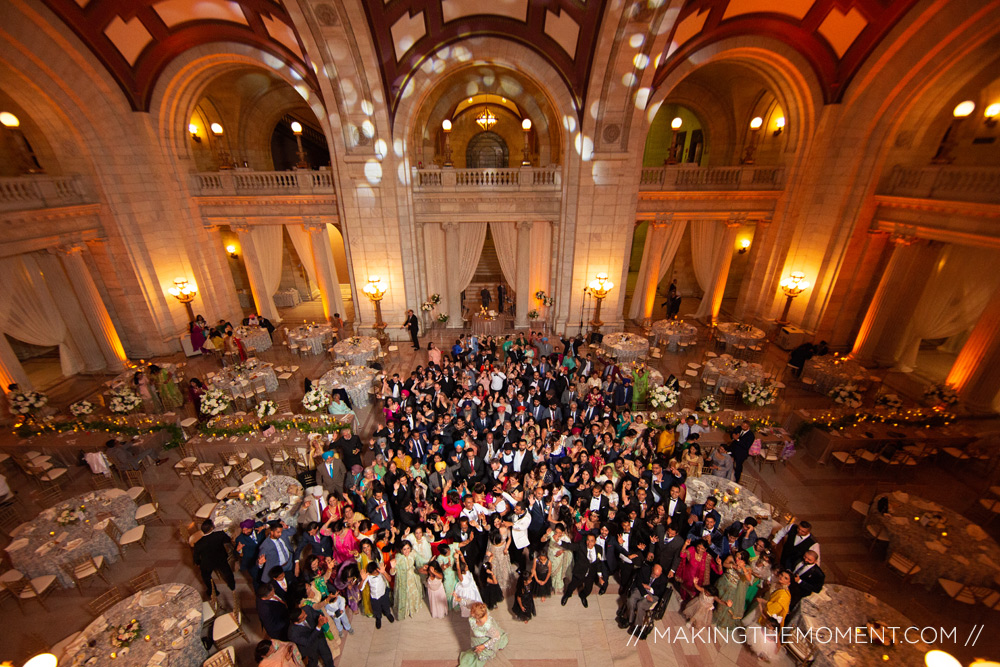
(523,179)
(682,177)
(221,183)
(24,193)
(971,184)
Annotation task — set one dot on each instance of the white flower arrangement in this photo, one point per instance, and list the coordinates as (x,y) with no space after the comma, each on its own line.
(70,516)
(124,401)
(266,409)
(941,393)
(214,402)
(435,299)
(890,401)
(81,408)
(709,404)
(847,395)
(544,298)
(532,314)
(759,393)
(125,634)
(315,399)
(26,402)
(443,317)
(663,397)
(354,340)
(427,306)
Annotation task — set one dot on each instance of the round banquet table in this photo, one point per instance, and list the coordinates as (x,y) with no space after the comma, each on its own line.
(830,371)
(732,372)
(741,505)
(169,613)
(355,380)
(229,377)
(966,555)
(276,502)
(356,355)
(254,339)
(487,326)
(41,546)
(841,608)
(673,332)
(287,298)
(625,346)
(312,336)
(734,333)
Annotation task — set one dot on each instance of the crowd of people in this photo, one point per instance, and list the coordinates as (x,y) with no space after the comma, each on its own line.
(508,472)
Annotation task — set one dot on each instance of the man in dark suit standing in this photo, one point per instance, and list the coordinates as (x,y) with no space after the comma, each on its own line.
(378,509)
(211,555)
(484,294)
(538,508)
(668,551)
(307,633)
(798,540)
(739,448)
(588,564)
(331,473)
(807,578)
(412,324)
(273,613)
(676,509)
(473,468)
(501,297)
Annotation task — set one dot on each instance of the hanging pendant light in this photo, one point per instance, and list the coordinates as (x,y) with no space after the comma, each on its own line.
(486,119)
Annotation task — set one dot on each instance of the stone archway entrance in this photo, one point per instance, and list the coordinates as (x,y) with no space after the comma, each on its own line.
(487,150)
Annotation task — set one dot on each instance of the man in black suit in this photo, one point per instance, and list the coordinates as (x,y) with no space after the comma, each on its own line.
(350,448)
(668,551)
(676,509)
(705,530)
(501,297)
(588,566)
(463,535)
(473,468)
(798,540)
(307,633)
(598,503)
(538,508)
(524,459)
(650,586)
(412,324)
(807,578)
(378,509)
(211,555)
(739,448)
(273,613)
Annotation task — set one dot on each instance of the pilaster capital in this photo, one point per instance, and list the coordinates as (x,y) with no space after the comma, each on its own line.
(662,220)
(67,249)
(736,220)
(313,224)
(524,224)
(449,226)
(240,226)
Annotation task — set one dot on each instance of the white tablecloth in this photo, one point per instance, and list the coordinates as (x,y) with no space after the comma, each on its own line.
(830,372)
(314,336)
(287,298)
(672,332)
(731,506)
(228,377)
(254,339)
(735,333)
(625,346)
(355,380)
(281,497)
(732,372)
(359,354)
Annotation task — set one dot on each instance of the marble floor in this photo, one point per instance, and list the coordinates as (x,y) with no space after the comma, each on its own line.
(558,636)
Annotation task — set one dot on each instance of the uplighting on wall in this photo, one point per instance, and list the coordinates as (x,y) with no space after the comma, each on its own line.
(193,129)
(744,245)
(231,250)
(779,125)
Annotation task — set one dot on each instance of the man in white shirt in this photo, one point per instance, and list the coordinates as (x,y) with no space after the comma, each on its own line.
(519,535)
(497,379)
(689,426)
(378,588)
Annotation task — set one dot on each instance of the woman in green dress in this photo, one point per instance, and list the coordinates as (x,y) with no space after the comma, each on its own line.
(408,591)
(732,588)
(487,637)
(560,558)
(422,553)
(366,556)
(446,561)
(164,381)
(339,408)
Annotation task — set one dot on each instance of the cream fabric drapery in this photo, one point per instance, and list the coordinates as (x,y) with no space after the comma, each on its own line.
(30,314)
(437,270)
(961,286)
(712,251)
(302,243)
(463,259)
(269,245)
(505,240)
(662,242)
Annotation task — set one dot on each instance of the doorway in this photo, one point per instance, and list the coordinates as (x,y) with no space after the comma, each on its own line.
(487,150)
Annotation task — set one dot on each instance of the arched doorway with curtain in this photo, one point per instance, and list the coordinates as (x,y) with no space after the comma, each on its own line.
(487,150)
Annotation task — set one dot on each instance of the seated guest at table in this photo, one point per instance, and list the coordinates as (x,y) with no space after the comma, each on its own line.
(807,578)
(273,612)
(307,633)
(798,357)
(720,463)
(275,550)
(692,461)
(338,407)
(650,585)
(274,653)
(247,546)
(746,532)
(800,540)
(211,555)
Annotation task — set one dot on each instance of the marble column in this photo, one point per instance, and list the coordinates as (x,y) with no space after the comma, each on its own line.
(11,370)
(895,300)
(644,294)
(261,296)
(326,270)
(523,286)
(96,313)
(975,375)
(453,298)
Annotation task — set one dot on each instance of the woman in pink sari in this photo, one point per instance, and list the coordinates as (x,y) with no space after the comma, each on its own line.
(697,563)
(345,544)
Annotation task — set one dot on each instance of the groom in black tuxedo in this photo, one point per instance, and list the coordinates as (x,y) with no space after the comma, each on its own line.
(588,566)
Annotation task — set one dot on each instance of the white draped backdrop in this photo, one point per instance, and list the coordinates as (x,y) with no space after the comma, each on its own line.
(964,281)
(712,252)
(505,240)
(302,243)
(269,244)
(662,242)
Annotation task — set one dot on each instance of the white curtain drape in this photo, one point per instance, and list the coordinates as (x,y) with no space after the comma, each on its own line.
(658,254)
(505,240)
(470,247)
(269,244)
(963,283)
(437,271)
(31,314)
(712,251)
(302,242)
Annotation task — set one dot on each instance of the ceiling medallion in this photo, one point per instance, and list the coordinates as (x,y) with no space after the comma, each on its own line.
(486,119)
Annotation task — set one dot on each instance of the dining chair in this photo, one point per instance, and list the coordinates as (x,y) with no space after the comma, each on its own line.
(863,583)
(51,497)
(122,540)
(10,518)
(217,488)
(198,510)
(23,589)
(141,582)
(224,658)
(100,482)
(228,627)
(105,601)
(147,511)
(902,566)
(83,567)
(136,486)
(187,463)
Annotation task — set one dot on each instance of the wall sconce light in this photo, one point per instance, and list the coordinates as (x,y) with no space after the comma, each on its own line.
(961,111)
(184,292)
(672,157)
(297,131)
(991,113)
(216,129)
(526,126)
(446,126)
(779,125)
(28,160)
(676,123)
(755,126)
(231,249)
(193,129)
(964,109)
(744,246)
(9,120)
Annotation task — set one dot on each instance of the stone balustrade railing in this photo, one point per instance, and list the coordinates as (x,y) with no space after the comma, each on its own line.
(519,179)
(23,193)
(687,177)
(970,184)
(221,183)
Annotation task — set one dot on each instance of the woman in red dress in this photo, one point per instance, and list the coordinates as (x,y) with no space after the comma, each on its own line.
(697,564)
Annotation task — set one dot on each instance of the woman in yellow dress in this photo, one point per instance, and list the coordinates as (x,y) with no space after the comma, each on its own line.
(367,555)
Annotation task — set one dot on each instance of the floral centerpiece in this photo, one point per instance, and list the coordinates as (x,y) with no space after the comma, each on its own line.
(427,306)
(81,408)
(663,397)
(26,402)
(125,634)
(442,317)
(759,393)
(124,401)
(890,401)
(266,409)
(315,399)
(354,340)
(941,394)
(70,516)
(544,298)
(532,314)
(214,402)
(435,299)
(251,496)
(709,404)
(847,395)
(732,497)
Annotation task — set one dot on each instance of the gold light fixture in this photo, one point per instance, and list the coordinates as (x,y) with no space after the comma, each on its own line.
(7,119)
(216,129)
(779,125)
(184,292)
(43,660)
(755,126)
(961,111)
(297,131)
(991,113)
(29,163)
(375,290)
(446,128)
(676,123)
(794,285)
(526,159)
(193,130)
(744,245)
(231,249)
(599,287)
(486,119)
(672,154)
